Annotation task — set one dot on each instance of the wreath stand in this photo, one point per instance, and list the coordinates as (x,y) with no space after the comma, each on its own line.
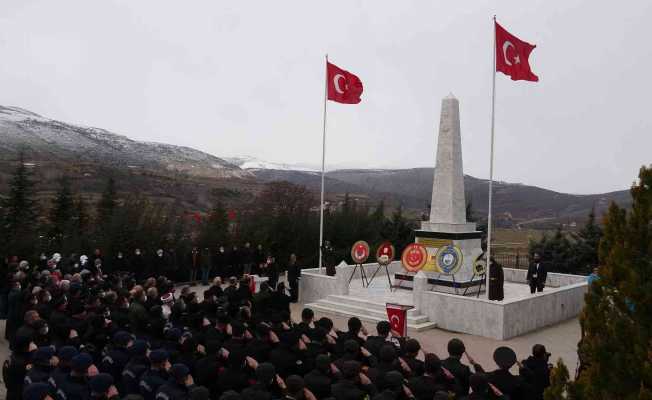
(483,282)
(363,275)
(386,273)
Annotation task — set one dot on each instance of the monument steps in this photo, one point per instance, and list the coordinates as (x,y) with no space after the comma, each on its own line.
(369,311)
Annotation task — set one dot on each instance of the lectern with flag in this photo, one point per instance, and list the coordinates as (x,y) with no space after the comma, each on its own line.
(397,316)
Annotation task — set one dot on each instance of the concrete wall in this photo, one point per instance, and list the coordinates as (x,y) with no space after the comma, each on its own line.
(477,316)
(315,285)
(464,314)
(543,309)
(502,320)
(553,280)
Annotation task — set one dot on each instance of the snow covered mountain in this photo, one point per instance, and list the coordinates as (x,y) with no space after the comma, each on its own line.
(252,163)
(47,140)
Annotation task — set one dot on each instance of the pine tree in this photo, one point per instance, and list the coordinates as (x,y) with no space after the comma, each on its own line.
(107,203)
(617,319)
(61,221)
(106,208)
(20,213)
(561,388)
(214,230)
(585,246)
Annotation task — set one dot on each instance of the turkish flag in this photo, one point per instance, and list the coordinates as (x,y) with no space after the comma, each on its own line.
(512,56)
(343,86)
(397,316)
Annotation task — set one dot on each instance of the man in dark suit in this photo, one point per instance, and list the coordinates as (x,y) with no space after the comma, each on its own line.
(537,274)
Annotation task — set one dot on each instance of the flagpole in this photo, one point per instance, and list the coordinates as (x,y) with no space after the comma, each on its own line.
(323,160)
(491,159)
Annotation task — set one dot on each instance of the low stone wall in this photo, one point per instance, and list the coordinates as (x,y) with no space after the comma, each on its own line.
(543,309)
(501,320)
(475,316)
(315,285)
(554,279)
(563,299)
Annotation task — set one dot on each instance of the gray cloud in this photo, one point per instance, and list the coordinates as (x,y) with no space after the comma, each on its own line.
(246,78)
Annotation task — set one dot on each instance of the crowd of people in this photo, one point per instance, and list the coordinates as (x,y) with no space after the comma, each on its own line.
(84,334)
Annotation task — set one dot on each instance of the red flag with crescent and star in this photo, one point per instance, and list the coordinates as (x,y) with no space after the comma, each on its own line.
(343,86)
(512,56)
(397,317)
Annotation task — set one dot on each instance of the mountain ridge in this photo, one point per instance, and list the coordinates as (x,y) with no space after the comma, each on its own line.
(191,176)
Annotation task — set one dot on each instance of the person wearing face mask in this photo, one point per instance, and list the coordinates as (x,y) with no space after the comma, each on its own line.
(42,335)
(14,308)
(119,263)
(206,263)
(44,306)
(83,263)
(137,265)
(219,263)
(137,311)
(28,329)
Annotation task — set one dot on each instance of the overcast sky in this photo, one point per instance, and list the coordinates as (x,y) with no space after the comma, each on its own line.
(237,78)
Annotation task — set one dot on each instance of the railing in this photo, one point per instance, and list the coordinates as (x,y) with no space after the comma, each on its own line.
(518,260)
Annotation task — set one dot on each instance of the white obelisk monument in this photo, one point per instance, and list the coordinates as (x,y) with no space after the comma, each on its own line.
(452,242)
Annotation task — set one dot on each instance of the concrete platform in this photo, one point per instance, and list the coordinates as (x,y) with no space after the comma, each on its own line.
(368,304)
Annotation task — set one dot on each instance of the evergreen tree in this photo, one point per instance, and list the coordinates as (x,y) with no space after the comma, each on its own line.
(585,246)
(617,319)
(61,221)
(557,250)
(20,213)
(560,386)
(214,229)
(80,227)
(104,216)
(107,203)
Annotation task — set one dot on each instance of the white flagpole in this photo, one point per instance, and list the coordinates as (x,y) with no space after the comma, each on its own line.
(491,159)
(323,159)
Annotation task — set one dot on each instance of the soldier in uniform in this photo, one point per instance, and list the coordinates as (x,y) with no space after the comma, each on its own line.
(75,386)
(117,356)
(156,375)
(41,366)
(178,386)
(135,368)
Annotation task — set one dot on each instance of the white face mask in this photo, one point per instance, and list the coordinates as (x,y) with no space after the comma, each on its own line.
(44,330)
(47,299)
(119,256)
(166,312)
(137,252)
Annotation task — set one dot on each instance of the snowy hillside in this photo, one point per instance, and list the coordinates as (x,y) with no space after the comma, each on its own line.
(251,163)
(49,140)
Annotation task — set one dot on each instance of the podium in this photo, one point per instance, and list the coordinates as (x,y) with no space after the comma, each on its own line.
(397,316)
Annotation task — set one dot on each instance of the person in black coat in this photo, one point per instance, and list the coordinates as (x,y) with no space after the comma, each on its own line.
(354,385)
(496,281)
(235,261)
(220,261)
(15,368)
(434,379)
(119,263)
(138,266)
(247,258)
(536,371)
(453,364)
(537,274)
(320,379)
(511,385)
(294,274)
(206,264)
